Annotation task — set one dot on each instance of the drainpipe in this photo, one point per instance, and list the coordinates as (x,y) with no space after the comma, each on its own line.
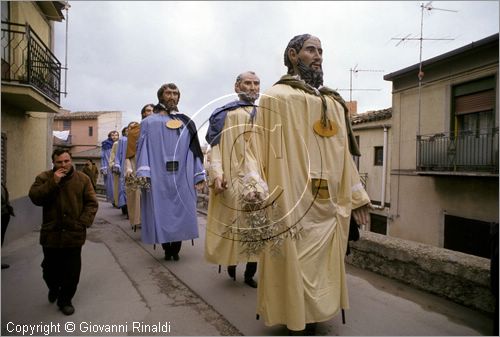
(384,173)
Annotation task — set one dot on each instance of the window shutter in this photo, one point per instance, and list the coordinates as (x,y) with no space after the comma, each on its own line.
(476,102)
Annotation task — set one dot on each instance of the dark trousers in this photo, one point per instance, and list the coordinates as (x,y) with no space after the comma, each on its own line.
(5,223)
(61,271)
(250,269)
(172,248)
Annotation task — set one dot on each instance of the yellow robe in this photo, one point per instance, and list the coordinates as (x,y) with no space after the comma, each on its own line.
(116,177)
(234,158)
(305,282)
(133,195)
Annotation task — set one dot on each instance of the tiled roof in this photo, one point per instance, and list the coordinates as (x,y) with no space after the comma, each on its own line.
(371,116)
(81,115)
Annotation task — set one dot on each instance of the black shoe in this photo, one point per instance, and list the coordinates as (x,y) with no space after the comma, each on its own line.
(251,282)
(53,296)
(67,309)
(231,270)
(167,257)
(5,266)
(176,257)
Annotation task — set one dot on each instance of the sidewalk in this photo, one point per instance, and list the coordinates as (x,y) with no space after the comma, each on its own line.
(126,288)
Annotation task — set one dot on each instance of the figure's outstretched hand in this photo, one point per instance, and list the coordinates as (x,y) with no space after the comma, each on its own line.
(362,215)
(220,185)
(199,186)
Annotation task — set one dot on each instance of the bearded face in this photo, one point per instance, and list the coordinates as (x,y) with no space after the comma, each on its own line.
(248,86)
(170,98)
(311,76)
(248,96)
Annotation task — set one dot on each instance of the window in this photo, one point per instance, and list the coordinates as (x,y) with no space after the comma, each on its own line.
(378,224)
(91,131)
(66,124)
(468,236)
(378,156)
(474,106)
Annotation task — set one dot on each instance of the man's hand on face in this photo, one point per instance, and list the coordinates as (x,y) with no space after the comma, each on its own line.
(60,173)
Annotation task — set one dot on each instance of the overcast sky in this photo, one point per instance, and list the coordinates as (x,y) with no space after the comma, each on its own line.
(121,52)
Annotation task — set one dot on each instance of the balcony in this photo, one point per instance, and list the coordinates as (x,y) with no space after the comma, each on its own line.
(466,153)
(26,60)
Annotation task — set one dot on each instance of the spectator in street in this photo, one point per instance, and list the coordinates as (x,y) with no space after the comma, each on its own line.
(7,212)
(307,150)
(233,169)
(91,171)
(69,206)
(119,170)
(170,157)
(106,168)
(133,192)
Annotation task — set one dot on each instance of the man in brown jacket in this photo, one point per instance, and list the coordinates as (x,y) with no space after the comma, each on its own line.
(69,206)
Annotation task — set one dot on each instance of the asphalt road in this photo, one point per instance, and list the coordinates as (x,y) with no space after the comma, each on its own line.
(125,283)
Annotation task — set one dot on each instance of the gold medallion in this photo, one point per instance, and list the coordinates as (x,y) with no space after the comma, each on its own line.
(327,129)
(173,124)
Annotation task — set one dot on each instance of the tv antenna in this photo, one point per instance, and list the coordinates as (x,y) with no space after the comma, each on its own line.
(355,70)
(428,6)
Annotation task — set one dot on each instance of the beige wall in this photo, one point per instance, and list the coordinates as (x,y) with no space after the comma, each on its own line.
(29,145)
(28,11)
(419,204)
(108,122)
(370,136)
(80,134)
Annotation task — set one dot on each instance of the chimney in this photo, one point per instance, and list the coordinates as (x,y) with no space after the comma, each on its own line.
(353,107)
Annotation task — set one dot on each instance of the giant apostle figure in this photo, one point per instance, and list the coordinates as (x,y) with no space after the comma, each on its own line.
(233,165)
(169,154)
(134,194)
(306,147)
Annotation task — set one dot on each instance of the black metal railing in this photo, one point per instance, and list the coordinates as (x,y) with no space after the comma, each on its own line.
(363,177)
(27,60)
(464,151)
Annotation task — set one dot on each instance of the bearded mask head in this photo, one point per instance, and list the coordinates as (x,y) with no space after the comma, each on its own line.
(313,77)
(171,103)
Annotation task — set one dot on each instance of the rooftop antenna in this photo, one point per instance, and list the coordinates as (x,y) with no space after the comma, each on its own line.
(428,6)
(355,70)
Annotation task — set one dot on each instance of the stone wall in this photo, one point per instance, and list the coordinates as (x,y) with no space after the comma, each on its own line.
(461,278)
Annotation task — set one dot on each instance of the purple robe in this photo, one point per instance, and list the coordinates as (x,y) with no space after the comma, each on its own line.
(168,208)
(106,168)
(120,158)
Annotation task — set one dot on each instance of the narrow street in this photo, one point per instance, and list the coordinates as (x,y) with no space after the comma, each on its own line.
(124,282)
